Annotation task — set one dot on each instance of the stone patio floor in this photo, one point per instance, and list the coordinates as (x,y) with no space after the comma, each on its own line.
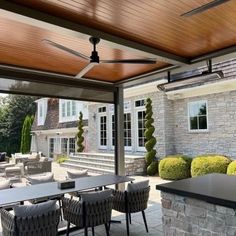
(137,228)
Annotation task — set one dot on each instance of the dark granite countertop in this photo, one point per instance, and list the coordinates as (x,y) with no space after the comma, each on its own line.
(218,189)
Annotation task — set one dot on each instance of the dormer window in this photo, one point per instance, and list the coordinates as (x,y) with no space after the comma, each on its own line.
(42,110)
(69,110)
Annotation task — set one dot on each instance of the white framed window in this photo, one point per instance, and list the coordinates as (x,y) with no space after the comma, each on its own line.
(198,116)
(127,131)
(71,145)
(140,124)
(102,127)
(69,110)
(42,111)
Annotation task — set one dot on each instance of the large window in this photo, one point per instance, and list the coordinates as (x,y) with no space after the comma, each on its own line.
(197,112)
(102,127)
(140,124)
(71,145)
(127,130)
(64,147)
(141,128)
(42,111)
(69,110)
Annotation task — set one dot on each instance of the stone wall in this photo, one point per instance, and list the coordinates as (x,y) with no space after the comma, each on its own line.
(191,217)
(221,135)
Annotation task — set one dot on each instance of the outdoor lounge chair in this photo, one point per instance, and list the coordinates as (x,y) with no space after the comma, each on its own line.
(37,167)
(31,220)
(134,199)
(92,210)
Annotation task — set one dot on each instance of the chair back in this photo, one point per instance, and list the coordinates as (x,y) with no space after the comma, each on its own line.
(131,202)
(41,225)
(87,214)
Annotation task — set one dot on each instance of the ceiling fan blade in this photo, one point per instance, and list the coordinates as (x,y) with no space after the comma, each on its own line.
(204,7)
(131,61)
(71,51)
(85,70)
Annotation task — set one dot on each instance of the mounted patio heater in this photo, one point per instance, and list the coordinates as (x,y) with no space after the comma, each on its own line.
(204,77)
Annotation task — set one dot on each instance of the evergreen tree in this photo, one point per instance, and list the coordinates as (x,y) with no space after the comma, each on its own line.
(80,137)
(152,165)
(25,134)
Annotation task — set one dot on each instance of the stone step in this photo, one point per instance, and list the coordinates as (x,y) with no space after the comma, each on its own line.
(109,166)
(92,159)
(107,156)
(90,169)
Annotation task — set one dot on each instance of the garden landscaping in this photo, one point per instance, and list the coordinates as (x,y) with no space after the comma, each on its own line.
(176,167)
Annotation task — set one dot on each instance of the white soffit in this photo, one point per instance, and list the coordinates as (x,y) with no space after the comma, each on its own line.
(143,89)
(218,87)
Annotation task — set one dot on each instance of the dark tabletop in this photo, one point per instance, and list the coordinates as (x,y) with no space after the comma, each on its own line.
(218,189)
(13,195)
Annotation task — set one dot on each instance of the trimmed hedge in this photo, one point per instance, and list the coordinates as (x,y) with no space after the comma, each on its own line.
(175,167)
(207,164)
(231,170)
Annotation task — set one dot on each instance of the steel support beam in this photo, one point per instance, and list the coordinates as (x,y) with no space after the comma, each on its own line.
(119,132)
(18,73)
(36,18)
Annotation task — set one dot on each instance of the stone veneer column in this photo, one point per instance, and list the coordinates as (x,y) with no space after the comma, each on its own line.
(191,217)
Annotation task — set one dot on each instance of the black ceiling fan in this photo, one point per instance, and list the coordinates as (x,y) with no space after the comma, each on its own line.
(94,58)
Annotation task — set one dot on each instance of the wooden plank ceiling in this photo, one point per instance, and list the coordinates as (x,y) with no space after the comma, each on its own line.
(157,24)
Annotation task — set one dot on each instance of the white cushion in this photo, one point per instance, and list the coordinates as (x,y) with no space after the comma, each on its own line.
(35,209)
(77,174)
(4,184)
(132,187)
(96,196)
(41,179)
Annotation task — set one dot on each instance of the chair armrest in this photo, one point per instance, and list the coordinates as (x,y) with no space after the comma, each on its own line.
(8,222)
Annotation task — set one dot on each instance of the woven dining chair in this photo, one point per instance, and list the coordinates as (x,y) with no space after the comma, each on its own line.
(88,213)
(131,202)
(39,225)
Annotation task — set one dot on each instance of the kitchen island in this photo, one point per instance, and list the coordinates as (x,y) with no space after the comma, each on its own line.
(204,205)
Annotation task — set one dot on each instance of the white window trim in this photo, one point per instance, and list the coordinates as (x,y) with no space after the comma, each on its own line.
(141,107)
(127,148)
(43,103)
(100,114)
(67,118)
(198,130)
(138,148)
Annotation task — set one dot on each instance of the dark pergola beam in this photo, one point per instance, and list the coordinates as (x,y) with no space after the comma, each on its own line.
(24,74)
(214,54)
(27,15)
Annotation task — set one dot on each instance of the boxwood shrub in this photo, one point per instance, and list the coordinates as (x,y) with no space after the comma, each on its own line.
(175,167)
(231,170)
(207,164)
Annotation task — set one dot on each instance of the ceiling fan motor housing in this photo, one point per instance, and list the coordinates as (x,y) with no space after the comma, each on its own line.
(94,57)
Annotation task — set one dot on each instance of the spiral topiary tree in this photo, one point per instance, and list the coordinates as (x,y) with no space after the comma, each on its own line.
(80,137)
(152,164)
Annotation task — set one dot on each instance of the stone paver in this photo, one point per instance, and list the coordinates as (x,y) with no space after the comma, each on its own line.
(137,228)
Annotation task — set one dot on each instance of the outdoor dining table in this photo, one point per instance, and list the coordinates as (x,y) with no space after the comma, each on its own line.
(44,190)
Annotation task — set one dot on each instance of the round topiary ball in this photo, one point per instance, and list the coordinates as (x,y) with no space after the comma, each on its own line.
(207,164)
(231,170)
(175,167)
